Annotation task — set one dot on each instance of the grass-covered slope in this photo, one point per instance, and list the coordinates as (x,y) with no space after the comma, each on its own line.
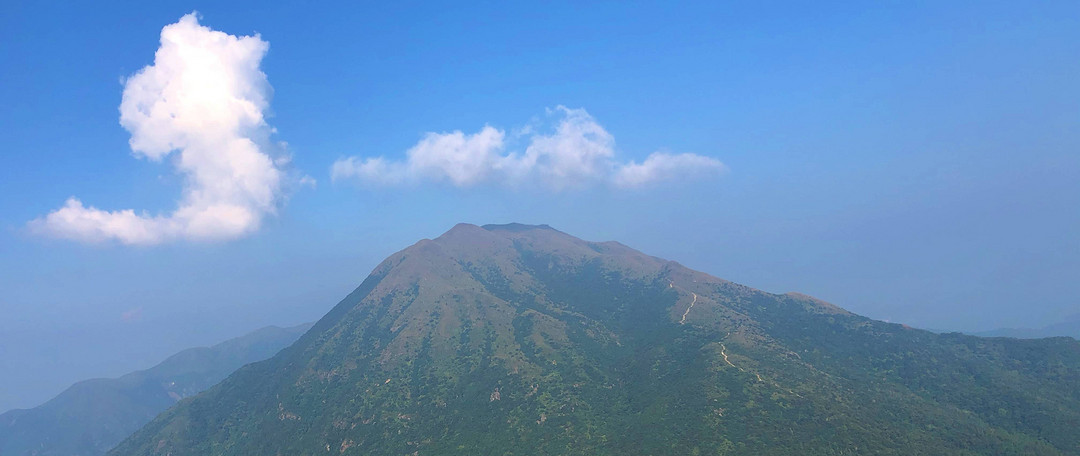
(94,415)
(522,340)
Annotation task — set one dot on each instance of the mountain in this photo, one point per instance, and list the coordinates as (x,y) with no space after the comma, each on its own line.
(92,416)
(523,340)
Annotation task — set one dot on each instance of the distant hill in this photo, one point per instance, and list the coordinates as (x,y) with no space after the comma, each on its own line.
(92,416)
(1068,328)
(523,340)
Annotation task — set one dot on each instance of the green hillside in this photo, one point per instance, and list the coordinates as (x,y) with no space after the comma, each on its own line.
(523,340)
(94,415)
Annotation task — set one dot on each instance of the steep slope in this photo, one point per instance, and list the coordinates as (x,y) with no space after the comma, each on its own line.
(514,339)
(94,415)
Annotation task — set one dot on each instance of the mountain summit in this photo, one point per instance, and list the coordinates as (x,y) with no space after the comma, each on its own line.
(516,339)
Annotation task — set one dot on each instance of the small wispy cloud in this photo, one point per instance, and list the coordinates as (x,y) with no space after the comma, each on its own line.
(578,152)
(663,166)
(202,98)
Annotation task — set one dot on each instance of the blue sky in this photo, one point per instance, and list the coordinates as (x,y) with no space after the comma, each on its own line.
(911,161)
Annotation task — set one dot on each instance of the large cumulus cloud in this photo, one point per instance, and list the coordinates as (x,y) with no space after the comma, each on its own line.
(200,105)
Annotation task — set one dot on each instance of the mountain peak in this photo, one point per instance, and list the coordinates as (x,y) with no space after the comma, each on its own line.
(516,227)
(468,229)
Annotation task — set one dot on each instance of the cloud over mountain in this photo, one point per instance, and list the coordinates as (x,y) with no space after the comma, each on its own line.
(202,101)
(577,152)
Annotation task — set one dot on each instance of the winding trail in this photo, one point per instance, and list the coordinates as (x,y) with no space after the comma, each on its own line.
(723,348)
(683,321)
(723,352)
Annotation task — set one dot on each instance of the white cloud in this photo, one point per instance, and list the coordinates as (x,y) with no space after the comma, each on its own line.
(661,166)
(461,159)
(203,98)
(578,152)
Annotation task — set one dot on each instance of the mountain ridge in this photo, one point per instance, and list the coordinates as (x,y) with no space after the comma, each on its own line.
(92,416)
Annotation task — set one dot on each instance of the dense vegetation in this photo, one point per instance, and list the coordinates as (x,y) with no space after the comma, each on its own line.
(522,340)
(94,415)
